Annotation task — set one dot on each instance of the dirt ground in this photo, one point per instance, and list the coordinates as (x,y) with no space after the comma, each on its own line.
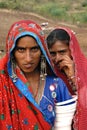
(8,17)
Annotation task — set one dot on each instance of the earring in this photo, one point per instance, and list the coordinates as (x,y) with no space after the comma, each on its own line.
(13,65)
(43,72)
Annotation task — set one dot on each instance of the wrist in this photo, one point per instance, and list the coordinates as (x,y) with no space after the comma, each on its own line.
(72,77)
(72,82)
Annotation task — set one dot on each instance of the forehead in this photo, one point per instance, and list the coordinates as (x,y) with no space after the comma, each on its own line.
(59,45)
(26,41)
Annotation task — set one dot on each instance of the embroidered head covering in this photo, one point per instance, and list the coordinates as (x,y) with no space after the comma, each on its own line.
(80,61)
(18,108)
(23,28)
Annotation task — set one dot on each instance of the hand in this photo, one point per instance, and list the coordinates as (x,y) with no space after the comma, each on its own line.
(67,65)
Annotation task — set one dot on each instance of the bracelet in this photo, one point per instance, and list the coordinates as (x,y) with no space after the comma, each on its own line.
(73,86)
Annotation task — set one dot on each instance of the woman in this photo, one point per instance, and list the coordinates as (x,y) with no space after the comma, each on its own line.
(27,92)
(70,64)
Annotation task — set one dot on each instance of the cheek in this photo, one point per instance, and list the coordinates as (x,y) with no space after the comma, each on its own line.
(38,58)
(18,57)
(69,54)
(53,59)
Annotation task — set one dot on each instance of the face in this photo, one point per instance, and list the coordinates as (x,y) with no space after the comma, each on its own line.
(58,51)
(27,54)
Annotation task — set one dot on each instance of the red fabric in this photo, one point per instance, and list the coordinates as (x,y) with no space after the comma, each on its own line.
(22,26)
(16,112)
(80,61)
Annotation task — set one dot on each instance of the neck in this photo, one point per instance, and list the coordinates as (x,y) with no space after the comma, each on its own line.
(33,76)
(36,84)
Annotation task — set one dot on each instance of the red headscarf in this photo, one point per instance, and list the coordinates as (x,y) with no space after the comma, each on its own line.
(80,61)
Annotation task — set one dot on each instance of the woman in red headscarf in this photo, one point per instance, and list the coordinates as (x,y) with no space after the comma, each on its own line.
(27,93)
(71,65)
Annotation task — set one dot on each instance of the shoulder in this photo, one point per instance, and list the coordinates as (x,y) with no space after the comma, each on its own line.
(57,82)
(3,69)
(3,63)
(54,79)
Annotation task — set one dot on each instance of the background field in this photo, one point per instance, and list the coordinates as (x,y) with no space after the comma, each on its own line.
(68,13)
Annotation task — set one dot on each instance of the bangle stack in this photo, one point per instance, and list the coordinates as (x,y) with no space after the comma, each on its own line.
(72,84)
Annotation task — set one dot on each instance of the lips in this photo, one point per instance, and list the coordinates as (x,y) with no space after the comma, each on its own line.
(28,65)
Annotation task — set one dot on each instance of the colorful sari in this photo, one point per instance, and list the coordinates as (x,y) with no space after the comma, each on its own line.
(18,109)
(80,61)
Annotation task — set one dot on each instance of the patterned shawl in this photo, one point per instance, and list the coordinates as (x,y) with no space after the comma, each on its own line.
(80,61)
(18,109)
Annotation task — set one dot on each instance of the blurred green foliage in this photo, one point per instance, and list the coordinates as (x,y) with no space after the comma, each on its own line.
(73,11)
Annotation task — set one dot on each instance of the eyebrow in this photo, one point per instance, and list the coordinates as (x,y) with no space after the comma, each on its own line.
(20,47)
(52,51)
(27,47)
(58,50)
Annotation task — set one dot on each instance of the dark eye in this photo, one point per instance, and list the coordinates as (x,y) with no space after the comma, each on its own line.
(20,49)
(53,54)
(62,52)
(35,49)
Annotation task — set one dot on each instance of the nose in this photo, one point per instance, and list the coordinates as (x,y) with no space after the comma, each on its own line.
(57,57)
(28,56)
